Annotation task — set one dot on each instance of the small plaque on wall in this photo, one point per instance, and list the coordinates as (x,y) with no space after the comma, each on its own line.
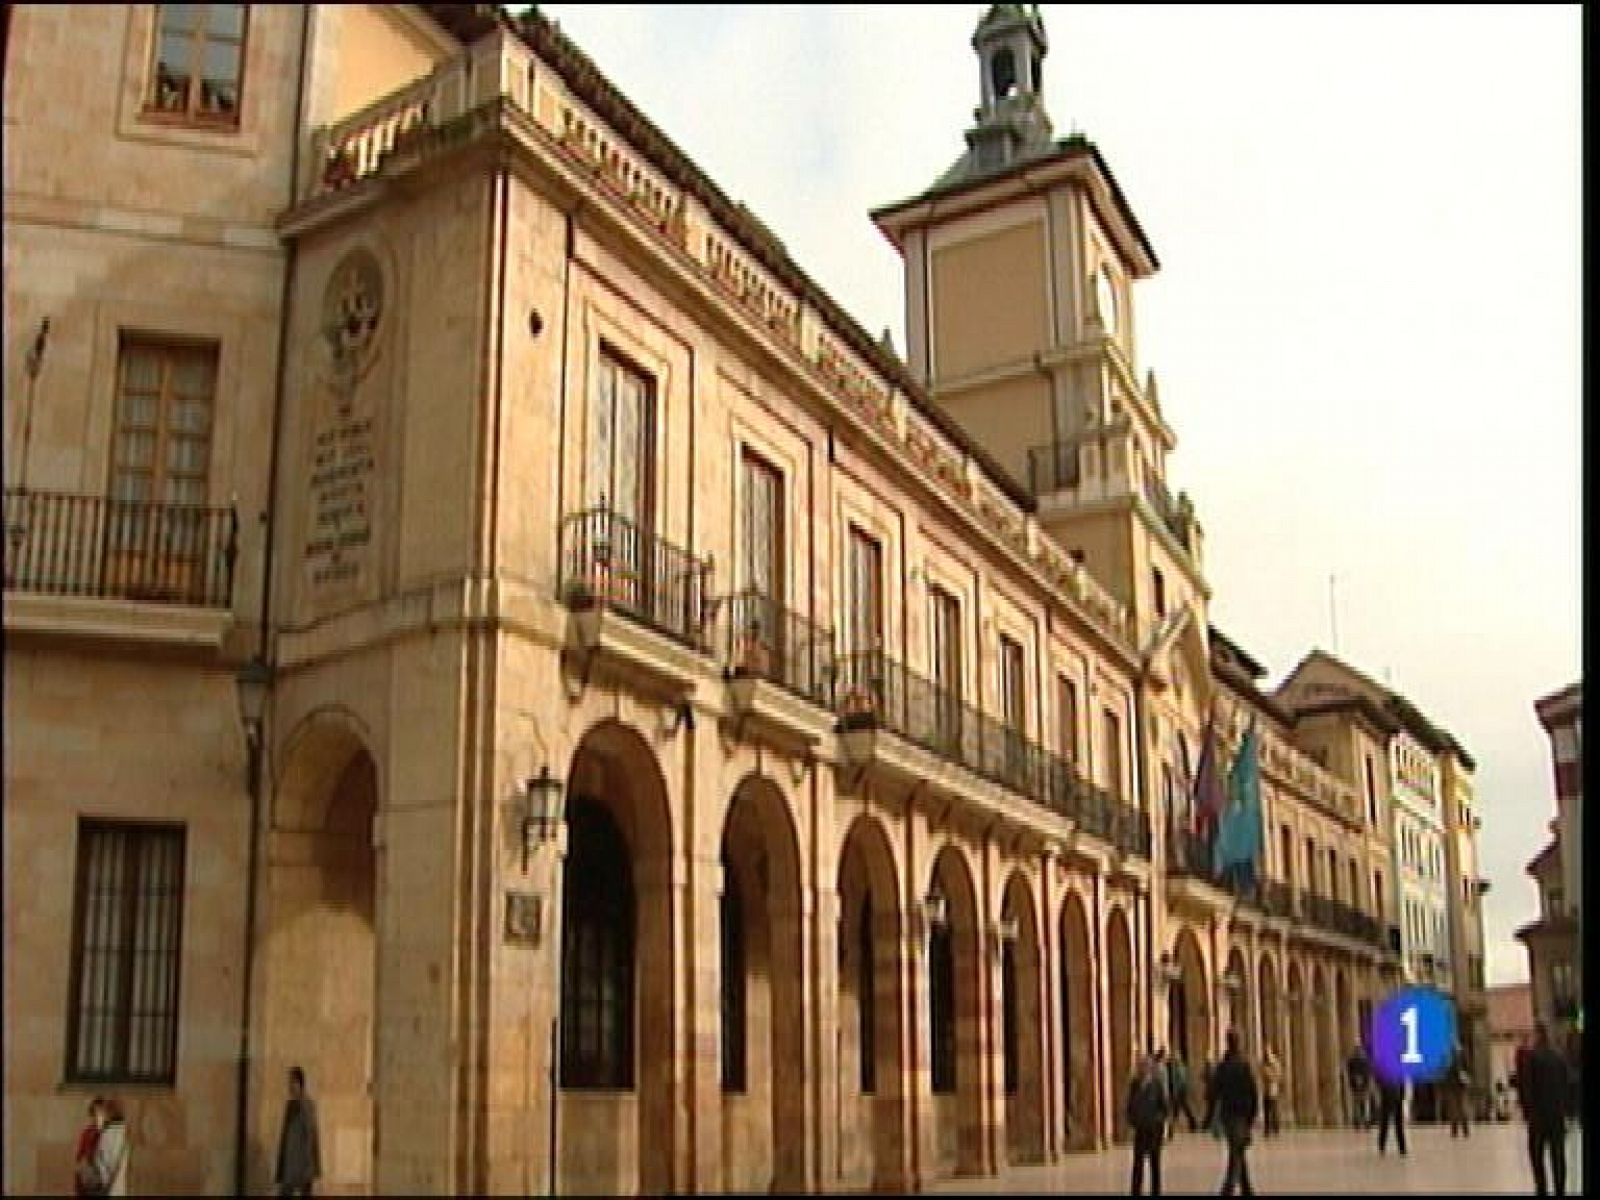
(523,913)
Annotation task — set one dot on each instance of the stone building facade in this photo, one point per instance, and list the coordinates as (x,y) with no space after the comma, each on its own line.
(1554,940)
(699,750)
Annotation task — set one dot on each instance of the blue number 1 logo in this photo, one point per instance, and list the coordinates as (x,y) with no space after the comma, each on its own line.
(1413,1036)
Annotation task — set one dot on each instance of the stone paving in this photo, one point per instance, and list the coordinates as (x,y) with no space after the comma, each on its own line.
(1492,1161)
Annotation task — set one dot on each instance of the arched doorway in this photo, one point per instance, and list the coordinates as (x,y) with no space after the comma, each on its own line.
(1347,1038)
(1119,1002)
(869,1096)
(1022,1033)
(763,1084)
(618,1047)
(955,1017)
(1189,1014)
(318,950)
(1079,1047)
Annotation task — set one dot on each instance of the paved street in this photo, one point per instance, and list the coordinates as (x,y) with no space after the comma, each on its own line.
(1493,1161)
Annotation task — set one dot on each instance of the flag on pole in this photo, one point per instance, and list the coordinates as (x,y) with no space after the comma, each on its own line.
(1206,798)
(1237,846)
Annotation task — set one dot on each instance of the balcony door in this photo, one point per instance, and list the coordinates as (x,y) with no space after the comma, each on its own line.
(621,484)
(762,631)
(865,688)
(155,528)
(1013,709)
(944,658)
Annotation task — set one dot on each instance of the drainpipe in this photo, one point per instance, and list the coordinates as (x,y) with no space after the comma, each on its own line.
(257,736)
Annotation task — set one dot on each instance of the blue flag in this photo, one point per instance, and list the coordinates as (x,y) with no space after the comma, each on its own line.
(1237,847)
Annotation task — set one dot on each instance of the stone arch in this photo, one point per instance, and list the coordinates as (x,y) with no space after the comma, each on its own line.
(958,1120)
(1119,1006)
(1022,1019)
(870,1094)
(619,1138)
(763,1135)
(1079,1045)
(1189,997)
(318,945)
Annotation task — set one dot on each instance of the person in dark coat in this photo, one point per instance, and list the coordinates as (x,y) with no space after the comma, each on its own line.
(1391,1112)
(1147,1117)
(1545,1086)
(299,1148)
(1232,1101)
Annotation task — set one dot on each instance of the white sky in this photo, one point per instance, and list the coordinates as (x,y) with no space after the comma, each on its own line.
(1365,327)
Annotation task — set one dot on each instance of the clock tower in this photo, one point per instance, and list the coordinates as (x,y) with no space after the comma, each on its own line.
(1020,266)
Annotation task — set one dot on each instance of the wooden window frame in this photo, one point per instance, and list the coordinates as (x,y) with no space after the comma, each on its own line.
(169,351)
(131,909)
(192,116)
(1067,717)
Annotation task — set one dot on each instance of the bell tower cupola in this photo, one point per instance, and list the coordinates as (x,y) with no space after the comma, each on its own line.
(1011,121)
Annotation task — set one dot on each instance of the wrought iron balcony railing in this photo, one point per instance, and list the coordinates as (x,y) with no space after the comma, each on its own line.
(764,639)
(607,561)
(64,544)
(874,690)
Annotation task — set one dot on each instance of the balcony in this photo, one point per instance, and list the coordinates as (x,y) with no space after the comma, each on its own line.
(97,567)
(874,693)
(62,544)
(1191,882)
(1333,916)
(635,599)
(779,668)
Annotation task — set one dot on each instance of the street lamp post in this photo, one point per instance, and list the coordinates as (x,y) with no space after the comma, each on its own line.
(253,684)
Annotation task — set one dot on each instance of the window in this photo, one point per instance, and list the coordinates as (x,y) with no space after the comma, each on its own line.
(596,952)
(1333,873)
(622,442)
(1113,755)
(1159,586)
(864,595)
(944,653)
(1377,894)
(1014,710)
(733,987)
(127,929)
(161,456)
(164,400)
(198,63)
(1067,710)
(1311,864)
(1288,856)
(762,536)
(762,556)
(942,1007)
(1355,884)
(1372,795)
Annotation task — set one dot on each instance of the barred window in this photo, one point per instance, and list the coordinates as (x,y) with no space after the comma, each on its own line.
(127,930)
(597,951)
(199,62)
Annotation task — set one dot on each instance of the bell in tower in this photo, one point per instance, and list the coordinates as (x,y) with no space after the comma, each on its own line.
(1011,121)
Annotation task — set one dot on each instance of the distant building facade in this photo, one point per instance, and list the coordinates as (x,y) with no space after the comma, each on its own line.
(1554,941)
(483,626)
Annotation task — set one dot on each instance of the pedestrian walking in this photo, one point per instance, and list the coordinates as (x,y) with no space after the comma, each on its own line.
(1545,1086)
(1178,1092)
(1232,1102)
(1271,1085)
(1358,1080)
(111,1151)
(1208,1101)
(1147,1112)
(299,1148)
(85,1175)
(1391,1112)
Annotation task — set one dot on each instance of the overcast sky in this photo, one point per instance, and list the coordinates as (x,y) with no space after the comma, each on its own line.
(1365,327)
